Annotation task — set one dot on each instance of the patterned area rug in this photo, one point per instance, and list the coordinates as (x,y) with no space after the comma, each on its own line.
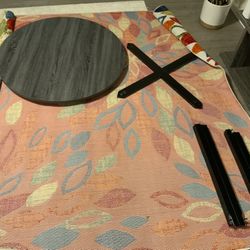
(121,173)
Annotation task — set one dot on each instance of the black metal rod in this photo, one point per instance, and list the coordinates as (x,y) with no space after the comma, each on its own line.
(240,153)
(144,82)
(221,181)
(184,93)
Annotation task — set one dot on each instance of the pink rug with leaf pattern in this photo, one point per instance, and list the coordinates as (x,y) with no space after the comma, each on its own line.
(121,173)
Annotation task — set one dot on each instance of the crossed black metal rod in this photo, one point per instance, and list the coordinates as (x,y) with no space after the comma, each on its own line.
(162,73)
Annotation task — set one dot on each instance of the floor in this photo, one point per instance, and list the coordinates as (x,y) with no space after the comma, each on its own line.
(213,41)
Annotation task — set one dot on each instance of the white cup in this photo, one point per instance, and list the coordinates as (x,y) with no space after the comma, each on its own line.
(213,16)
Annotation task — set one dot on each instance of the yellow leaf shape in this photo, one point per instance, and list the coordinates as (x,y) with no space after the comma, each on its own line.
(134,68)
(183,149)
(191,89)
(105,163)
(177,45)
(70,111)
(247,214)
(112,99)
(124,23)
(100,217)
(223,125)
(44,173)
(13,113)
(2,233)
(116,31)
(41,195)
(164,98)
(213,217)
(212,74)
(155,23)
(247,142)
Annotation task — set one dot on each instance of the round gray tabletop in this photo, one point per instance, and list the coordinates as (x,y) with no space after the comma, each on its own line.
(62,61)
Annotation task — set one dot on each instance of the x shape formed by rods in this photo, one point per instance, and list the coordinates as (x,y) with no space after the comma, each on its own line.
(161,73)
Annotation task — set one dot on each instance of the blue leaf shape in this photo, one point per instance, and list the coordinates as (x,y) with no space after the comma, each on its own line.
(132,152)
(114,111)
(236,120)
(115,239)
(37,137)
(79,140)
(132,117)
(202,160)
(55,238)
(148,47)
(74,172)
(179,113)
(154,107)
(186,170)
(244,205)
(63,137)
(13,183)
(199,191)
(76,158)
(134,221)
(132,15)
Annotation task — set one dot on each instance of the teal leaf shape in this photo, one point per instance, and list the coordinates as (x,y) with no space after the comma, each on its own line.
(10,185)
(44,173)
(149,103)
(61,142)
(148,47)
(129,136)
(115,239)
(186,170)
(55,238)
(76,158)
(236,120)
(144,26)
(108,118)
(37,137)
(127,108)
(79,140)
(244,205)
(202,160)
(132,15)
(76,172)
(134,221)
(186,124)
(105,163)
(166,122)
(199,191)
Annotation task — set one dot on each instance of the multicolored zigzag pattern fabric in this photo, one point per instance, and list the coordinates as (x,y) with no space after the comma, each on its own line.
(169,21)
